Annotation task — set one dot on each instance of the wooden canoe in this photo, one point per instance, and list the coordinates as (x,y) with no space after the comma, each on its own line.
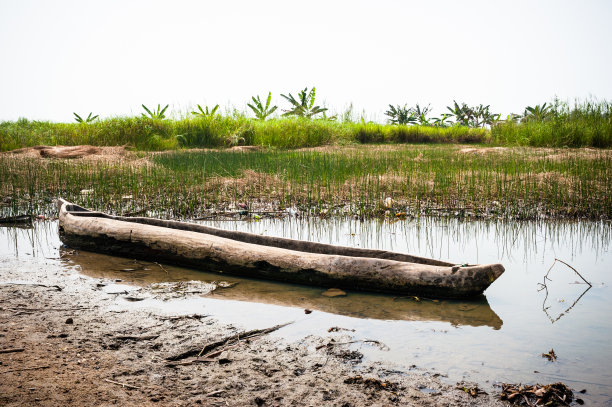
(273,258)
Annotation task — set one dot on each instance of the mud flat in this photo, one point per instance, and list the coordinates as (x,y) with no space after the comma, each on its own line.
(69,339)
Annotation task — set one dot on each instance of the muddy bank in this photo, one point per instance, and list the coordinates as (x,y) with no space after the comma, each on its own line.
(77,341)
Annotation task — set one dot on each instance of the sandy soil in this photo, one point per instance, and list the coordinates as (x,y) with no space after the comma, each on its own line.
(82,151)
(74,348)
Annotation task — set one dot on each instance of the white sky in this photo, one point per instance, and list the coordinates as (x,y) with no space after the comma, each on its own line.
(109,56)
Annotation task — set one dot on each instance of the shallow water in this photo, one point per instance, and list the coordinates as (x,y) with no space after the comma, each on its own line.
(499,338)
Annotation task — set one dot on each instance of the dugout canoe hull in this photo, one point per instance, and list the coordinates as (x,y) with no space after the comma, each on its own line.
(273,258)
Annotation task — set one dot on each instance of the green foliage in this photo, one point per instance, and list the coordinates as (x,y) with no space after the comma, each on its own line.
(421,114)
(587,123)
(218,131)
(261,111)
(158,114)
(584,124)
(347,115)
(400,115)
(330,118)
(296,132)
(416,115)
(206,112)
(88,119)
(441,121)
(477,116)
(377,133)
(304,106)
(538,113)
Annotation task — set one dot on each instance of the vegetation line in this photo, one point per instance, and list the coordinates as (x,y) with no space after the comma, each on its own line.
(304,124)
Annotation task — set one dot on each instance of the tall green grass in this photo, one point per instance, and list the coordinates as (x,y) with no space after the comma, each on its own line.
(219,131)
(587,123)
(380,133)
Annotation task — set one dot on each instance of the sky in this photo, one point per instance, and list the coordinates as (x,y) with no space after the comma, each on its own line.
(109,57)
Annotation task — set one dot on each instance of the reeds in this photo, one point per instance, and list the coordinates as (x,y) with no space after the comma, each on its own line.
(372,181)
(587,123)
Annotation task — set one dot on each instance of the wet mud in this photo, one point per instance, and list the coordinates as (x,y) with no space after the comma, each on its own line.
(75,340)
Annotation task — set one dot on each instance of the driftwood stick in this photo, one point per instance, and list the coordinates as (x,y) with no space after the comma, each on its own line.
(191,362)
(225,341)
(26,368)
(136,338)
(543,286)
(12,350)
(129,386)
(576,271)
(50,309)
(179,317)
(220,351)
(244,335)
(56,287)
(330,344)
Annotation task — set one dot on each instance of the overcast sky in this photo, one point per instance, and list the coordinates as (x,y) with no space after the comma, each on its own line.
(109,57)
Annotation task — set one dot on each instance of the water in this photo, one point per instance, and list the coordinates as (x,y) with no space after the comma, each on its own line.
(499,338)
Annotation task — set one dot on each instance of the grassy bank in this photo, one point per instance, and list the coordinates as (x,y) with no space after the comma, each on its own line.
(368,181)
(584,124)
(219,131)
(560,125)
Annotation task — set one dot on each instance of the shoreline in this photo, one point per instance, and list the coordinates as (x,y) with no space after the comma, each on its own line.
(78,346)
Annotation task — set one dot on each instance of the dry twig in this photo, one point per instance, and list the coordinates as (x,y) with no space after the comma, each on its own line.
(12,350)
(26,368)
(128,386)
(56,287)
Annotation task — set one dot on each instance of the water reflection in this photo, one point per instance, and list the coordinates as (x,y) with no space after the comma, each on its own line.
(440,238)
(546,308)
(356,304)
(32,239)
(544,287)
(419,333)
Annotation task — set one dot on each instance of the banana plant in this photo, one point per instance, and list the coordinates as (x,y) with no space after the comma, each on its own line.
(441,121)
(477,116)
(513,118)
(305,106)
(258,108)
(537,113)
(463,114)
(401,115)
(88,119)
(421,114)
(155,114)
(483,116)
(205,112)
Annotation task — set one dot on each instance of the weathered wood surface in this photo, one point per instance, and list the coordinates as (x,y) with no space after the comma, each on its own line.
(301,262)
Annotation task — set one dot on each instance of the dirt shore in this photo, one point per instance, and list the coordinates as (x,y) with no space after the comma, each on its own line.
(70,346)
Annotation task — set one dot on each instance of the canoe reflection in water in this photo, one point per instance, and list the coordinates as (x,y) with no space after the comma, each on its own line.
(473,312)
